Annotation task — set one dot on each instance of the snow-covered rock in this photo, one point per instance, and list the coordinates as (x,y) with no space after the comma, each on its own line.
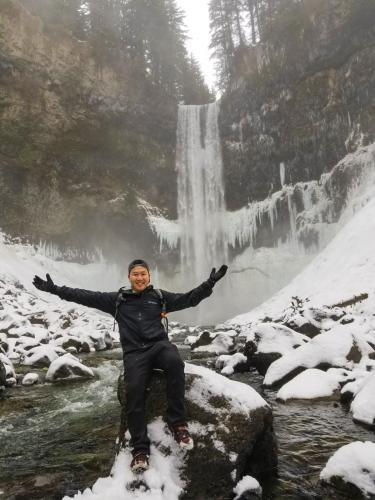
(363,405)
(343,346)
(8,376)
(30,379)
(311,321)
(228,364)
(266,342)
(247,488)
(42,355)
(67,366)
(35,331)
(190,339)
(311,384)
(352,468)
(215,342)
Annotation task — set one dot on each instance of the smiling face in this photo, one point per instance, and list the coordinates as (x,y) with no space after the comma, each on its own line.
(139,278)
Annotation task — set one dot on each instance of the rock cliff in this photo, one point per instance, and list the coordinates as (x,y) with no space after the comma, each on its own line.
(301,99)
(80,141)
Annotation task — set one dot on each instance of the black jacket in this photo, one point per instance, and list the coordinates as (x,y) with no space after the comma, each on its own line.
(139,314)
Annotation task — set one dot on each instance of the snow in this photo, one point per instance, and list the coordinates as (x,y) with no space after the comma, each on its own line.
(334,275)
(363,405)
(34,329)
(247,483)
(355,464)
(161,482)
(310,384)
(329,347)
(242,397)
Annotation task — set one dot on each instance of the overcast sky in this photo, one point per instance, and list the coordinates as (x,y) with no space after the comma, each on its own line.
(197,22)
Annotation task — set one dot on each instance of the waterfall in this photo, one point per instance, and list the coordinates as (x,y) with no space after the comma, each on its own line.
(201,205)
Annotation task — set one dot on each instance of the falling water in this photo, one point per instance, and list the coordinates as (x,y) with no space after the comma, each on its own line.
(201,204)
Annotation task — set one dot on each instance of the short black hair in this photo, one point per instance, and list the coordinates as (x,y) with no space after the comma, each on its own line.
(138,262)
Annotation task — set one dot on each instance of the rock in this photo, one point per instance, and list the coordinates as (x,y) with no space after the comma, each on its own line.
(67,366)
(85,347)
(268,341)
(4,342)
(350,472)
(308,329)
(215,342)
(2,374)
(72,350)
(30,379)
(8,377)
(72,342)
(205,338)
(108,340)
(229,364)
(98,341)
(230,422)
(46,117)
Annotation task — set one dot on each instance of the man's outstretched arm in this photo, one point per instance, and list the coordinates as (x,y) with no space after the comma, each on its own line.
(103,301)
(179,301)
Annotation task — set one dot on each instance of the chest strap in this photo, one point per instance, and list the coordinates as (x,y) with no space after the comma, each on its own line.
(164,319)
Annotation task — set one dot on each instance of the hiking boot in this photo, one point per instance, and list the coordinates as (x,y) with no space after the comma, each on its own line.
(140,462)
(182,436)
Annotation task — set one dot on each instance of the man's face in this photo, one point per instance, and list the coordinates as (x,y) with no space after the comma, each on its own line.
(139,278)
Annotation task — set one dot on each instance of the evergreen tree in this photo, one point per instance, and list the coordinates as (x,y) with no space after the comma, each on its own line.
(148,36)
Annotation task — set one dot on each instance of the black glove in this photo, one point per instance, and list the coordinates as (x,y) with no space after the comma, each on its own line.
(44,286)
(217,275)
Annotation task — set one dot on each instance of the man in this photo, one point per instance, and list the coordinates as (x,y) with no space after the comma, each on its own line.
(139,311)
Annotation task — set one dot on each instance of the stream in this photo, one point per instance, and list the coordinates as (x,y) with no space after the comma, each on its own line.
(57,439)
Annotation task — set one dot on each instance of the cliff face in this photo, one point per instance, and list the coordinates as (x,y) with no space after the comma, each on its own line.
(79,141)
(301,100)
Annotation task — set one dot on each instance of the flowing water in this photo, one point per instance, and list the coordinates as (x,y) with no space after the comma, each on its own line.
(57,439)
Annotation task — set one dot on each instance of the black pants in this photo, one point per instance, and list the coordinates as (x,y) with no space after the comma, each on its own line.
(138,369)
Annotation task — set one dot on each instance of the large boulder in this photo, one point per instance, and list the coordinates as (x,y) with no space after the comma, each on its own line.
(342,347)
(67,366)
(231,424)
(42,355)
